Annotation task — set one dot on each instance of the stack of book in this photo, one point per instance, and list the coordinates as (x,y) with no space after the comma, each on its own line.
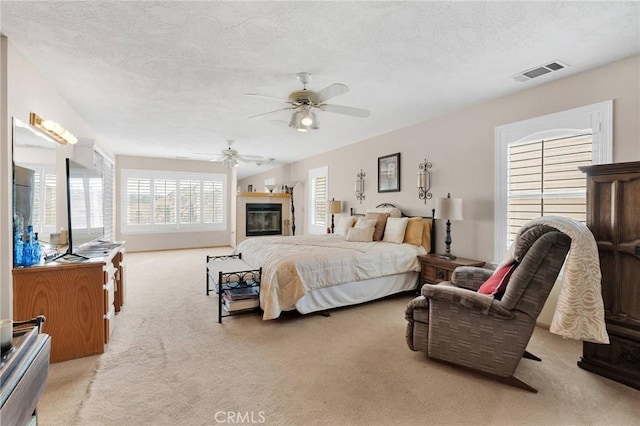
(241,299)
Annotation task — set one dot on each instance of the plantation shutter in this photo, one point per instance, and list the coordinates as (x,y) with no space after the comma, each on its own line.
(77,194)
(319,188)
(43,216)
(212,201)
(164,201)
(50,206)
(95,199)
(190,201)
(138,210)
(544,180)
(38,203)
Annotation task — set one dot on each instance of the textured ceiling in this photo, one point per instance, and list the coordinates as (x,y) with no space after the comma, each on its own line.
(168,79)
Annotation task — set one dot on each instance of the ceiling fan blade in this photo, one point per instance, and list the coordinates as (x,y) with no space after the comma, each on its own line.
(329,92)
(256,95)
(270,112)
(250,158)
(339,109)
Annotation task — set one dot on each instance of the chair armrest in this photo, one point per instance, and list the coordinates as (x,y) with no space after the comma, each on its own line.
(470,277)
(467,298)
(417,303)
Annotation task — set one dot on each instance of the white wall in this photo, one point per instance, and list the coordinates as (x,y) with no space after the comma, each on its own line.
(174,240)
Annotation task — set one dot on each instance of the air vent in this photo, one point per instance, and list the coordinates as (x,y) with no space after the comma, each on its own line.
(538,71)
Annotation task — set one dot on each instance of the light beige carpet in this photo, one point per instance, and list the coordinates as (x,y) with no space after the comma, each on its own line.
(171,363)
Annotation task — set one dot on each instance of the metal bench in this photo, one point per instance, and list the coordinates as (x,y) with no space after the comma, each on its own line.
(230,272)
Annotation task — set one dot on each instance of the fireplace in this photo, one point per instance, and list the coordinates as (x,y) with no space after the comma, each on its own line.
(264,219)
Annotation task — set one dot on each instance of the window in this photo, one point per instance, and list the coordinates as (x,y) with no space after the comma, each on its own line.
(318,193)
(44,199)
(162,201)
(537,164)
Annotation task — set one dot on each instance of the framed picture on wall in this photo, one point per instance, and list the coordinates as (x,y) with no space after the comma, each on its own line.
(389,173)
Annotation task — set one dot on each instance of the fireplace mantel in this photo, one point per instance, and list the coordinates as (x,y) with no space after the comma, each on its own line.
(263,194)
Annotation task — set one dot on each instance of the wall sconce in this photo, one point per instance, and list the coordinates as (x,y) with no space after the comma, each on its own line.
(360,186)
(424,181)
(53,129)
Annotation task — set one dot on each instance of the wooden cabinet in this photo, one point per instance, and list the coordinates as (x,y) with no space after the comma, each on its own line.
(435,269)
(78,300)
(613,202)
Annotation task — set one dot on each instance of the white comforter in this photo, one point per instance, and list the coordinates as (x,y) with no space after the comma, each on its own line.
(293,266)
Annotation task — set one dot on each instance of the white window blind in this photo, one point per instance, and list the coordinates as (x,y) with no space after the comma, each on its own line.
(544,180)
(190,206)
(44,200)
(104,166)
(318,194)
(164,201)
(80,216)
(138,201)
(212,206)
(536,167)
(95,200)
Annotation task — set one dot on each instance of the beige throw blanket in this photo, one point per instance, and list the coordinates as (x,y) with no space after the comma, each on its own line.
(293,266)
(579,313)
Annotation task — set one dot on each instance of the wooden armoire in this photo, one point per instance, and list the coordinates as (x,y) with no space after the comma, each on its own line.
(613,215)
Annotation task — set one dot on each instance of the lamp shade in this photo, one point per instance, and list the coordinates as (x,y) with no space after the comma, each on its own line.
(449,208)
(334,207)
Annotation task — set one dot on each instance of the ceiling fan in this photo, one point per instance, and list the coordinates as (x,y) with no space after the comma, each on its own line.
(231,158)
(304,102)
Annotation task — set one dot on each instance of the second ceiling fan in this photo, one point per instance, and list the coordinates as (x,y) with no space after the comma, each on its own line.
(304,102)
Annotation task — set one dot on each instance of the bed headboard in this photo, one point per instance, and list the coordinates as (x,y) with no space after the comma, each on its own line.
(433,223)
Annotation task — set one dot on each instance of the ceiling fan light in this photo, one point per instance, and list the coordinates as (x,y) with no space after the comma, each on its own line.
(307,116)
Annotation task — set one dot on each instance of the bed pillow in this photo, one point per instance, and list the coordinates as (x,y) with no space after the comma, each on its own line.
(361,234)
(344,223)
(365,223)
(393,211)
(381,222)
(394,231)
(426,234)
(413,233)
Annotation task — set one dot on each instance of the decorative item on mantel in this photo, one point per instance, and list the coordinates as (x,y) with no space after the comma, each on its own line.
(289,190)
(360,186)
(270,188)
(424,181)
(333,207)
(449,209)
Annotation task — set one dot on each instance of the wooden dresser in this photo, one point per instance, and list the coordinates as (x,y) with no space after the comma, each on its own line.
(79,301)
(613,203)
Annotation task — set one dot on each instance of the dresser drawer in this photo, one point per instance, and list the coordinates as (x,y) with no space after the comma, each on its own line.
(109,324)
(109,295)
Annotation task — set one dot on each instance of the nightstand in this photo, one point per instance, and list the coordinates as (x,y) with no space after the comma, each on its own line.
(435,269)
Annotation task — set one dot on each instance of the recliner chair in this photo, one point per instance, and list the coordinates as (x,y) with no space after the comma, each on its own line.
(454,323)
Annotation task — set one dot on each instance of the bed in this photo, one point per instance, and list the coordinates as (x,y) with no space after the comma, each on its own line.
(311,273)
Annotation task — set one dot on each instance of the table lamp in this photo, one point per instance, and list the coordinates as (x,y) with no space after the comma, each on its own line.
(333,207)
(449,209)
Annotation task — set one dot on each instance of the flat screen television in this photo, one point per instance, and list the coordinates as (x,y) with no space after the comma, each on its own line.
(84,206)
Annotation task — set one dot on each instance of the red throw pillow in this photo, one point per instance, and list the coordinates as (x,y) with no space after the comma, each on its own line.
(497,283)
